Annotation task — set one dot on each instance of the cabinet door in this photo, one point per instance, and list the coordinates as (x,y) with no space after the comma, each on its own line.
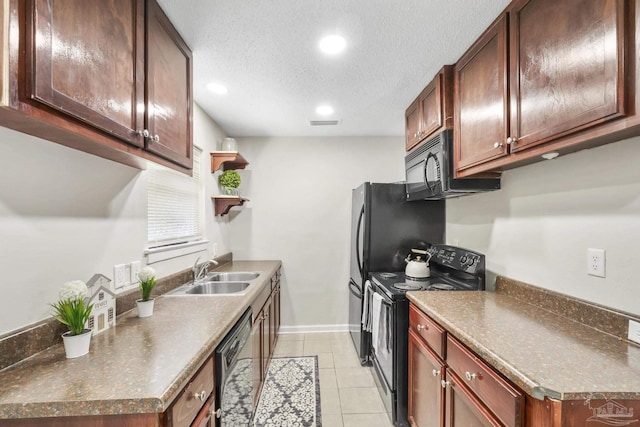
(169,97)
(567,67)
(431,107)
(426,403)
(276,314)
(204,417)
(86,60)
(258,374)
(412,124)
(266,335)
(462,407)
(480,85)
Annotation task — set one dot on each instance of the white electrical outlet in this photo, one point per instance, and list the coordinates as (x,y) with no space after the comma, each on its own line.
(135,269)
(634,331)
(119,280)
(596,262)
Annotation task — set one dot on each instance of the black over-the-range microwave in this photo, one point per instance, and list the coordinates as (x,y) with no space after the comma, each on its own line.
(429,170)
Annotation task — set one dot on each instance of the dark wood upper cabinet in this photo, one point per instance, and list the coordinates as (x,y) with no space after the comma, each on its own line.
(567,67)
(544,77)
(481,98)
(86,60)
(169,90)
(432,110)
(98,76)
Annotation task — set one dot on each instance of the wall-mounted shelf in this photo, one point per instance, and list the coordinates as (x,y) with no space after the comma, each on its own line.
(228,160)
(224,203)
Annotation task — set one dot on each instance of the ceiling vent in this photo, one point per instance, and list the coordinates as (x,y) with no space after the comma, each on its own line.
(324,122)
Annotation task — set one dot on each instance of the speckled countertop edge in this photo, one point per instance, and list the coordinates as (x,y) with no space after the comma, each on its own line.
(533,367)
(27,395)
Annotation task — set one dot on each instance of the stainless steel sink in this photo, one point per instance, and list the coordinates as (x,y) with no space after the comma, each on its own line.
(231,276)
(218,283)
(212,288)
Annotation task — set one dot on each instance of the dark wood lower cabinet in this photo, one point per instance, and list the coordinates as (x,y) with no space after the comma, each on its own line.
(426,394)
(463,408)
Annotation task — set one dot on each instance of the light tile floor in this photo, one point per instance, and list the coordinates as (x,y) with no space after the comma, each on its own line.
(348,395)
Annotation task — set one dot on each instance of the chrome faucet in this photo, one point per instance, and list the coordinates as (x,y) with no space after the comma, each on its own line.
(201,271)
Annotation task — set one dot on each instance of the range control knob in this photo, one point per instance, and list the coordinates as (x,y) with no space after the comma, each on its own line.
(463,259)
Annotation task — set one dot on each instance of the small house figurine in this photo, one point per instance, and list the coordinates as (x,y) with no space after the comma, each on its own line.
(103,299)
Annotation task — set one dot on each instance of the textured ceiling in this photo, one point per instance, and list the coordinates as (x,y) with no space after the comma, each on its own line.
(265,52)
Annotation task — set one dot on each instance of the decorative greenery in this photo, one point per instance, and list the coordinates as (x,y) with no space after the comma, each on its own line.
(71,309)
(147,277)
(230,178)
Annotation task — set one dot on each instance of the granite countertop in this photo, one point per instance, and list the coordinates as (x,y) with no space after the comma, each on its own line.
(140,366)
(541,352)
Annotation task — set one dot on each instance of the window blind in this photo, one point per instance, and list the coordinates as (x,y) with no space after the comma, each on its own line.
(175,204)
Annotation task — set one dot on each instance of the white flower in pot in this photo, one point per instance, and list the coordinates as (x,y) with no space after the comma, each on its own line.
(147,277)
(72,311)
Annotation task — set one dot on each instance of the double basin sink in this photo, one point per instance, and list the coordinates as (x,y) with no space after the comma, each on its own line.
(218,283)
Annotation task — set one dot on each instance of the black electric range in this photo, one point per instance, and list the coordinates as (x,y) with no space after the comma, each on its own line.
(452,269)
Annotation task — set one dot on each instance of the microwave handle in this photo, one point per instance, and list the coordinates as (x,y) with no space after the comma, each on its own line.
(432,188)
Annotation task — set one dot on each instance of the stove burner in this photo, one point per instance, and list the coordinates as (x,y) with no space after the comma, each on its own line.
(388,275)
(440,287)
(407,286)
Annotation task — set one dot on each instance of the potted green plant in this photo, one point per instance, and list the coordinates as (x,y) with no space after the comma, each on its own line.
(147,277)
(72,311)
(230,181)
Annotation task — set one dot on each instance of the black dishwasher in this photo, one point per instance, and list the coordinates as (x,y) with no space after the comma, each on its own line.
(234,375)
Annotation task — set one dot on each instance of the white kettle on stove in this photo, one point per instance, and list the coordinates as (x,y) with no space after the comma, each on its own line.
(418,264)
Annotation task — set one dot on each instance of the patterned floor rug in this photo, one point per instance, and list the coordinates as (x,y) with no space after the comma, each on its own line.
(290,395)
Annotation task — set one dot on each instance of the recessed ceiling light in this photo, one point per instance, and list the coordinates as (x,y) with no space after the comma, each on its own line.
(332,44)
(217,88)
(324,110)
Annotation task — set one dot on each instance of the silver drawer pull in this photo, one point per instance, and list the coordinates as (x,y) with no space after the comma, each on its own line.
(200,396)
(444,383)
(215,413)
(497,144)
(469,376)
(421,327)
(435,373)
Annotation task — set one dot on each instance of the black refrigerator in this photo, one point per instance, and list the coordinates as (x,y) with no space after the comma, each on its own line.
(384,228)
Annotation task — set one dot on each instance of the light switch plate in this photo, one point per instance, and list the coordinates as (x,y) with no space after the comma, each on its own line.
(119,279)
(135,269)
(634,331)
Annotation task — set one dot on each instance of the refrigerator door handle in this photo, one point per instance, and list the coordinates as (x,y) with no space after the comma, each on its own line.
(353,287)
(358,241)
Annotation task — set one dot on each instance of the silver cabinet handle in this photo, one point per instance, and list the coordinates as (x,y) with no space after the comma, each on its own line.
(200,396)
(435,373)
(497,144)
(511,140)
(215,413)
(469,376)
(421,327)
(444,383)
(146,134)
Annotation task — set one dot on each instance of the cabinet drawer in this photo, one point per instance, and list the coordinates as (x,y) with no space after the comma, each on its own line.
(188,404)
(496,393)
(429,330)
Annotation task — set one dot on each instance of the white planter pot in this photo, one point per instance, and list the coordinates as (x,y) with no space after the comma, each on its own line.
(145,308)
(76,345)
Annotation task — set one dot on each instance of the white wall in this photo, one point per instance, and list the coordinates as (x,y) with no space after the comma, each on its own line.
(66,215)
(538,227)
(300,212)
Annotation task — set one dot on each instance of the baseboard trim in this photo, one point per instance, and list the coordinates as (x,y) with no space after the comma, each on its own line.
(306,329)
